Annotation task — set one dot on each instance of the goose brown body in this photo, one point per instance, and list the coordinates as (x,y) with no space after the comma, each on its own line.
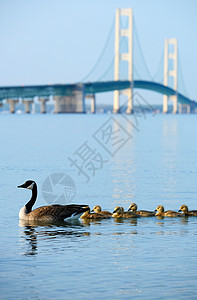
(187,212)
(55,212)
(48,213)
(168,213)
(142,213)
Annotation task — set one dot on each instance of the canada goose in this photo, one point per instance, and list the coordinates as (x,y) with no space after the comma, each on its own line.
(89,215)
(187,212)
(169,213)
(97,209)
(48,213)
(142,213)
(120,213)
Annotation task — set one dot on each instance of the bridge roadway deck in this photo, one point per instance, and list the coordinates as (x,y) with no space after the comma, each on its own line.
(31,91)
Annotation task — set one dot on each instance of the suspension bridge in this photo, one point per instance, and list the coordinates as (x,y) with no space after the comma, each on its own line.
(121,75)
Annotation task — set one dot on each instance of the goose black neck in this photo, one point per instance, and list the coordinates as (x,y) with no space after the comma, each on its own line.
(33,199)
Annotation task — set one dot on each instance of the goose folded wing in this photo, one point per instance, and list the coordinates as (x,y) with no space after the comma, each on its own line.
(58,211)
(73,209)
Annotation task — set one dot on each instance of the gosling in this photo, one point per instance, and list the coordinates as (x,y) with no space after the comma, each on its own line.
(142,213)
(169,213)
(120,213)
(94,216)
(186,212)
(97,209)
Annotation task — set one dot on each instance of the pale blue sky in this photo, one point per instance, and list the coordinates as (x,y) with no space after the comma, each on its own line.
(58,41)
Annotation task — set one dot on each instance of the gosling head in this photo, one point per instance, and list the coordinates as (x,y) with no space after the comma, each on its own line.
(97,209)
(118,210)
(29,184)
(133,207)
(160,208)
(184,208)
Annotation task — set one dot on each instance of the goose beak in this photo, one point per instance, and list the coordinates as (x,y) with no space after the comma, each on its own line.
(21,186)
(155,210)
(129,209)
(179,210)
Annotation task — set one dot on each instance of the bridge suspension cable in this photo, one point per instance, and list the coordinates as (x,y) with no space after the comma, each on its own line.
(108,73)
(181,86)
(137,46)
(102,53)
(103,69)
(110,67)
(158,75)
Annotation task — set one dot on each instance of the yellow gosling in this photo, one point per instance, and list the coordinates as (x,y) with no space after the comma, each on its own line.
(89,215)
(142,213)
(120,213)
(186,212)
(169,213)
(97,209)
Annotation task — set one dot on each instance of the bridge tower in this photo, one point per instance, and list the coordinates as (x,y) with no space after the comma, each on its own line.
(119,32)
(170,53)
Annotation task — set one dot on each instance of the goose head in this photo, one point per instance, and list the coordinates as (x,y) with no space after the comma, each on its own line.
(118,209)
(183,208)
(97,209)
(118,212)
(29,184)
(159,209)
(133,207)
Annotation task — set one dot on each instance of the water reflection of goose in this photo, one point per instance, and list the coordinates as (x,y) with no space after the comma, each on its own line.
(50,213)
(142,213)
(31,238)
(131,221)
(34,234)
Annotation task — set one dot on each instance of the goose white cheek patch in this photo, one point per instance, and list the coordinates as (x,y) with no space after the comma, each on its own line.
(30,187)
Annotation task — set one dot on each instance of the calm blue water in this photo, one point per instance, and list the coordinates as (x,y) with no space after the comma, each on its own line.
(148,258)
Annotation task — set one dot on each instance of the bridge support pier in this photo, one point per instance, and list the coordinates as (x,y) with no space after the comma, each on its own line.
(27,105)
(92,98)
(184,108)
(12,103)
(175,104)
(93,104)
(116,107)
(74,103)
(129,93)
(43,104)
(165,104)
